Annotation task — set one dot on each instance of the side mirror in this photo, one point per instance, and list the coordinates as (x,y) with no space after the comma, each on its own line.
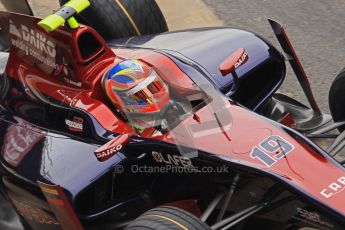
(229,65)
(235,60)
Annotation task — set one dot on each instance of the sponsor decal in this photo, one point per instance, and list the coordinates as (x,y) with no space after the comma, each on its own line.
(334,188)
(271,150)
(106,154)
(77,125)
(312,218)
(111,148)
(242,60)
(175,160)
(33,43)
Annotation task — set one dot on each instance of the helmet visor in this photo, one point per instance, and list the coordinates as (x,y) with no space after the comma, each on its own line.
(145,93)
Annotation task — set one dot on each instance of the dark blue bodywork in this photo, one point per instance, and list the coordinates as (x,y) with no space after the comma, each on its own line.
(208,47)
(61,158)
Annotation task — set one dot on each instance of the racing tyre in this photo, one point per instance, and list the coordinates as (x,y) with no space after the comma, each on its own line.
(337,98)
(167,217)
(123,18)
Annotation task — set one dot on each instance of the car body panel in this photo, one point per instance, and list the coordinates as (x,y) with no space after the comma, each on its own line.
(208,47)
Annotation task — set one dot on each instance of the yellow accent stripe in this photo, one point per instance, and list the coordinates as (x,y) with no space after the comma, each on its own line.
(50,191)
(124,72)
(117,88)
(171,220)
(129,17)
(106,89)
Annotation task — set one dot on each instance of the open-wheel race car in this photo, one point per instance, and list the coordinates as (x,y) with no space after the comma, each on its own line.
(178,130)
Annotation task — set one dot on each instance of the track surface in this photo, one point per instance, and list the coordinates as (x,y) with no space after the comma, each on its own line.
(315,27)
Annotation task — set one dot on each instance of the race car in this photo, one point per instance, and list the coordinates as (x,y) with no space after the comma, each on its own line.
(179,130)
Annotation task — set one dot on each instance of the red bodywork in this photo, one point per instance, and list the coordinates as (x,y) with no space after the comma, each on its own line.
(81,88)
(233,62)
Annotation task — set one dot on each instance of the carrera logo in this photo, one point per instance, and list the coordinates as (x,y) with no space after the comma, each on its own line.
(172,160)
(76,125)
(34,38)
(334,188)
(111,148)
(242,60)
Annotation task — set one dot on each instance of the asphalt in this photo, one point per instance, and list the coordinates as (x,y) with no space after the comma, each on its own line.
(199,15)
(316,29)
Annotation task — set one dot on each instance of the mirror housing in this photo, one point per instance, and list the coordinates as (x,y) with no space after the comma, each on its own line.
(235,60)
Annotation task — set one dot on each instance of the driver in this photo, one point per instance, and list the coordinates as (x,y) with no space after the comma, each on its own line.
(137,91)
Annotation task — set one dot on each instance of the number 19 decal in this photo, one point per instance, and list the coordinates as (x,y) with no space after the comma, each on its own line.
(271,150)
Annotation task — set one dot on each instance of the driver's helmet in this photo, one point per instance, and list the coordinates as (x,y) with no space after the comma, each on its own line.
(135,87)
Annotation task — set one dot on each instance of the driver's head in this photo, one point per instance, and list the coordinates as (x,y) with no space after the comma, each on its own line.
(135,87)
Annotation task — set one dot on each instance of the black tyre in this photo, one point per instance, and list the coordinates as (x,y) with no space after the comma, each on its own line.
(337,98)
(123,18)
(18,6)
(167,217)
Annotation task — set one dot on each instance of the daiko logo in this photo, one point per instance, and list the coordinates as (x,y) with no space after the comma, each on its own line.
(108,152)
(242,60)
(34,38)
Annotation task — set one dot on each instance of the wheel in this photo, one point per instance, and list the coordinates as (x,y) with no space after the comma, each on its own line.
(123,18)
(337,98)
(167,217)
